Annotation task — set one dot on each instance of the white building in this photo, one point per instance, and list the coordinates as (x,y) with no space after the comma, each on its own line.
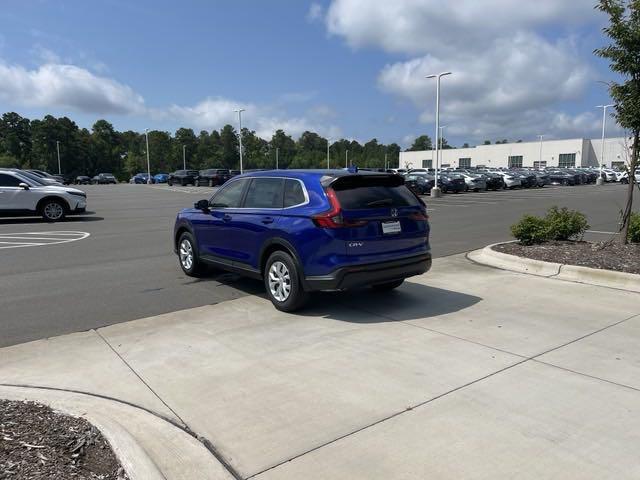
(578,152)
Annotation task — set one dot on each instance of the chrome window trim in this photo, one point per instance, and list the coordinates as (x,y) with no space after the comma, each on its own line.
(304,190)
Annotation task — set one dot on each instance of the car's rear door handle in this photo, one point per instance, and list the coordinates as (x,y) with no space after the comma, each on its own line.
(267,220)
(226,218)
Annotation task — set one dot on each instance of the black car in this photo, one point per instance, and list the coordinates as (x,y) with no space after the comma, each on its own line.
(542,179)
(559,177)
(419,184)
(104,178)
(82,180)
(528,179)
(183,177)
(234,173)
(451,183)
(212,177)
(494,181)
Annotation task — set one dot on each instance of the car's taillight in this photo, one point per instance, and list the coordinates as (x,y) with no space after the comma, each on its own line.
(419,217)
(333,217)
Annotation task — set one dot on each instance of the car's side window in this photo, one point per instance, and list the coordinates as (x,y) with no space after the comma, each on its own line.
(230,196)
(264,193)
(9,180)
(293,193)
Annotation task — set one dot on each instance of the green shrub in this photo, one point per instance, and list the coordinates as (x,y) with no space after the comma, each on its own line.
(530,230)
(634,228)
(565,224)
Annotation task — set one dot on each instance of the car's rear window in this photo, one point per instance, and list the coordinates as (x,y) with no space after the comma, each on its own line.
(363,192)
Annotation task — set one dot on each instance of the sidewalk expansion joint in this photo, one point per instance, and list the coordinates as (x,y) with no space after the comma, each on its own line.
(524,359)
(183,426)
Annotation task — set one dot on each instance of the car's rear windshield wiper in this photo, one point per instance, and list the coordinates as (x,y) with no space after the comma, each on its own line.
(382,201)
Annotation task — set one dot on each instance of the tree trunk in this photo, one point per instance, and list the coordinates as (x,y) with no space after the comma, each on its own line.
(626,214)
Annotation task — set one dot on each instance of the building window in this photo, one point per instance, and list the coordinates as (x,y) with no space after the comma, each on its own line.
(426,163)
(567,160)
(540,164)
(515,161)
(617,165)
(464,162)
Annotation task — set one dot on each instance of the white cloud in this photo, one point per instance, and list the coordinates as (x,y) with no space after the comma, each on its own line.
(264,119)
(64,86)
(507,78)
(315,12)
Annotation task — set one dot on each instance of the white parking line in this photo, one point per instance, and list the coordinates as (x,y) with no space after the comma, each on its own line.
(23,239)
(603,233)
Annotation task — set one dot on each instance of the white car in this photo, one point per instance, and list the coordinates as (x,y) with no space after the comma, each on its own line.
(510,181)
(624,178)
(22,195)
(609,175)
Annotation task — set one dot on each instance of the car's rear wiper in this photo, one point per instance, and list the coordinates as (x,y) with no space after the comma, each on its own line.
(382,201)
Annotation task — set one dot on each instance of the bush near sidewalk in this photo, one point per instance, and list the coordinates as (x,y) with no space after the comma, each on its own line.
(634,228)
(558,224)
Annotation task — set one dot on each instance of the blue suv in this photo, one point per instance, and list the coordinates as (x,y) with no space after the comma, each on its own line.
(302,231)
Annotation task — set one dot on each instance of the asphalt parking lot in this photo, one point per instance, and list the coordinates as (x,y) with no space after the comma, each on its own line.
(116,263)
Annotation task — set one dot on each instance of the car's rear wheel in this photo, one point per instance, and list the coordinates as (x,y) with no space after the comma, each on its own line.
(188,256)
(385,287)
(282,282)
(53,210)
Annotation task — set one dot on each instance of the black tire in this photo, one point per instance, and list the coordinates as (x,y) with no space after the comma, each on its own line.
(289,276)
(52,210)
(183,183)
(624,181)
(565,182)
(186,246)
(170,183)
(386,287)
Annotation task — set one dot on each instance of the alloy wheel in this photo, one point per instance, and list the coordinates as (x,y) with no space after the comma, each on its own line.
(53,211)
(186,254)
(279,281)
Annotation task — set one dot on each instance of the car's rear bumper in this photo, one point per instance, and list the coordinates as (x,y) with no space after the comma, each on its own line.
(369,274)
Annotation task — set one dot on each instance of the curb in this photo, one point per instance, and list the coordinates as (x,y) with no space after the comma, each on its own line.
(148,447)
(570,273)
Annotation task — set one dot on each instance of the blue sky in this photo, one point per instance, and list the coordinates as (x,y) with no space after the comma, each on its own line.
(352,68)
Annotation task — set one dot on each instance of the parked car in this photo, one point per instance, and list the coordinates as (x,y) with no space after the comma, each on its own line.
(510,180)
(451,183)
(527,179)
(302,231)
(624,178)
(161,177)
(234,173)
(493,180)
(82,180)
(542,178)
(141,178)
(42,178)
(104,178)
(609,175)
(41,173)
(212,177)
(419,183)
(23,195)
(474,182)
(183,177)
(560,177)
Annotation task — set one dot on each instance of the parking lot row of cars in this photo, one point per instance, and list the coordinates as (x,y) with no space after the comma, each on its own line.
(422,180)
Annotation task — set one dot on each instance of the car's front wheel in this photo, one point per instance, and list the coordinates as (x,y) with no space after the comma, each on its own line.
(282,282)
(52,210)
(188,256)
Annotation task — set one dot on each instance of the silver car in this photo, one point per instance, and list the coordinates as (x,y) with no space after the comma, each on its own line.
(474,182)
(511,180)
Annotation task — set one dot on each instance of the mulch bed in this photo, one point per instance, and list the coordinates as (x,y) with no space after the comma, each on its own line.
(605,256)
(38,443)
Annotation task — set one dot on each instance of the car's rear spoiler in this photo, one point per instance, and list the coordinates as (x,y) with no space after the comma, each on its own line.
(362,179)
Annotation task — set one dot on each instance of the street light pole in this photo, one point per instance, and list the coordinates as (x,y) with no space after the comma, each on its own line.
(146,134)
(277,151)
(540,154)
(435,191)
(239,111)
(328,164)
(385,161)
(58,149)
(184,157)
(600,180)
(442,127)
(346,159)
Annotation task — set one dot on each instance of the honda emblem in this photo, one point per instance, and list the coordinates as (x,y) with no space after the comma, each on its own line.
(394,212)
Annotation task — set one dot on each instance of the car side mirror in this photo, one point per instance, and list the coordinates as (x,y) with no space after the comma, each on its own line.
(23,186)
(201,205)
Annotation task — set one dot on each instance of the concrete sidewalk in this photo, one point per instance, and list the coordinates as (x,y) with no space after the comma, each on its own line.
(466,372)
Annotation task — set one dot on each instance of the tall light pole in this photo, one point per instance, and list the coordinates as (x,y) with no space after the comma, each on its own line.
(328,164)
(146,134)
(277,151)
(600,180)
(58,149)
(385,161)
(346,159)
(184,157)
(540,154)
(239,111)
(442,127)
(435,191)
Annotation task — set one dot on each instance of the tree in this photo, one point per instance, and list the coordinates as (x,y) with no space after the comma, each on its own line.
(15,138)
(623,54)
(230,157)
(487,142)
(465,145)
(423,142)
(286,148)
